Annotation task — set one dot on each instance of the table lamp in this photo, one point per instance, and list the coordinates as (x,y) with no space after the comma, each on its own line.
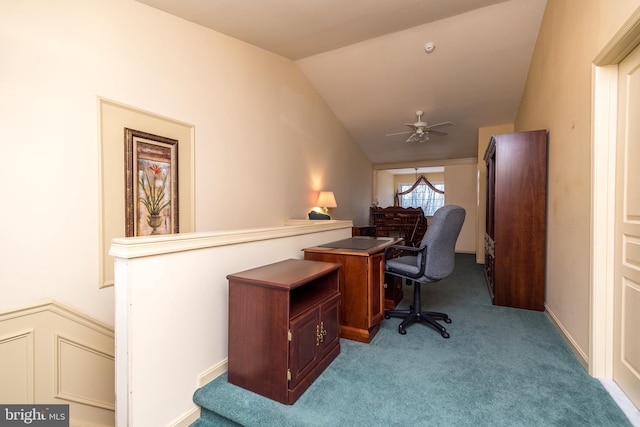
(326,200)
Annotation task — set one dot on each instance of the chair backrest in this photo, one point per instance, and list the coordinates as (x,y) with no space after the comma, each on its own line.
(440,240)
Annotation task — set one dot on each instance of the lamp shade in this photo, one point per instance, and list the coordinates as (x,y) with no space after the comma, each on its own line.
(326,199)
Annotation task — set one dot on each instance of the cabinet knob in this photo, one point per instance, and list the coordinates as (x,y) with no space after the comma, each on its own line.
(320,333)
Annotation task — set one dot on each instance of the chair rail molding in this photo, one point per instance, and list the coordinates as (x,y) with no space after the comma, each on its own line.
(135,247)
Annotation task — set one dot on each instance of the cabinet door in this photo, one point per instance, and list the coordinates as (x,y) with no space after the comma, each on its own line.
(329,325)
(303,347)
(314,333)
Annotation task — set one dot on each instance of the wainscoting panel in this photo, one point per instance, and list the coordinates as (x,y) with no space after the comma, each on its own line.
(16,369)
(79,367)
(54,354)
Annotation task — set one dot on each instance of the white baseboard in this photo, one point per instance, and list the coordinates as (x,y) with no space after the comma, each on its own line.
(612,388)
(188,418)
(213,372)
(203,379)
(580,354)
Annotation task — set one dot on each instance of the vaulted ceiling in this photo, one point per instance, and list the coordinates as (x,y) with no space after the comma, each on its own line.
(367,58)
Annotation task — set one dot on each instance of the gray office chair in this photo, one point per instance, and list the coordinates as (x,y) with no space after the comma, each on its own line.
(431,261)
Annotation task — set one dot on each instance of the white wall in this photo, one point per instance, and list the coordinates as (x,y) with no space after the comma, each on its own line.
(265,141)
(172,305)
(385,188)
(460,189)
(558,97)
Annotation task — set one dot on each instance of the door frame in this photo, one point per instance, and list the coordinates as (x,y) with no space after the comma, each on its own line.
(603,176)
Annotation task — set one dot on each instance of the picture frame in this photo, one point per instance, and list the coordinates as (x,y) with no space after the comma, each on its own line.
(151,184)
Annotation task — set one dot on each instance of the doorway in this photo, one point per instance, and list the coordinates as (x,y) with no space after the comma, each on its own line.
(626,308)
(616,213)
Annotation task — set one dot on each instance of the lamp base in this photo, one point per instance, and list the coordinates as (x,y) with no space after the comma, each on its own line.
(318,215)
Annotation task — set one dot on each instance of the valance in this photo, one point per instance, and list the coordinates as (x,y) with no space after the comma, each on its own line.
(396,198)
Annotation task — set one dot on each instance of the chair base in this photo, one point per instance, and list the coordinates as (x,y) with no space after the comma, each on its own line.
(426,317)
(415,314)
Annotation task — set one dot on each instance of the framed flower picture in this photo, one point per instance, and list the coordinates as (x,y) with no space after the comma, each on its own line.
(151,184)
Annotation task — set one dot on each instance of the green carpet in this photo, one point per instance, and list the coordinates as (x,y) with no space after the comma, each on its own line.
(501,367)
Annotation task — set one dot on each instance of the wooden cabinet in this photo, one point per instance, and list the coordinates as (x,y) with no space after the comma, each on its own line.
(283,326)
(516,219)
(361,282)
(363,230)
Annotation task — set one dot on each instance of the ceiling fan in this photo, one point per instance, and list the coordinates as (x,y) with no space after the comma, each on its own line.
(420,130)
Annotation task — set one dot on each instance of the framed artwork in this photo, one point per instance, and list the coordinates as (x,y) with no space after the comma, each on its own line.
(151,184)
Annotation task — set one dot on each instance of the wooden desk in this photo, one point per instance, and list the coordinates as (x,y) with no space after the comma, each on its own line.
(408,223)
(361,282)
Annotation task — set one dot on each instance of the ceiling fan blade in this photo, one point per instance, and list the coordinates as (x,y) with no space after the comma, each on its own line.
(440,125)
(420,130)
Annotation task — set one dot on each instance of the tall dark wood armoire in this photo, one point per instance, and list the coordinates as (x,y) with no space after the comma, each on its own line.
(516,219)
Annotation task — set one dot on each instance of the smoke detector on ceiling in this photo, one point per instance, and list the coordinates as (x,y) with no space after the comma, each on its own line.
(429,47)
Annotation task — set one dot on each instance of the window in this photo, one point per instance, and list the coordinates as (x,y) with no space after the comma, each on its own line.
(422,197)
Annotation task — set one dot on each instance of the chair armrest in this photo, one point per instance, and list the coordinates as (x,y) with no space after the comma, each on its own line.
(414,251)
(390,251)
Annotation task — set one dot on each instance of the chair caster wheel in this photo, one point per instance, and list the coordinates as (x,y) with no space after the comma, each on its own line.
(386,316)
(447,320)
(445,334)
(402,331)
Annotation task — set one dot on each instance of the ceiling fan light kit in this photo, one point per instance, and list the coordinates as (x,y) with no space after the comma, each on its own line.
(420,130)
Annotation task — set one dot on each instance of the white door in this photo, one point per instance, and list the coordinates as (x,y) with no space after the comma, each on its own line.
(626,352)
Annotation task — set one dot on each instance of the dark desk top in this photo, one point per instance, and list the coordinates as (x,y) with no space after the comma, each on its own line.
(360,245)
(356,243)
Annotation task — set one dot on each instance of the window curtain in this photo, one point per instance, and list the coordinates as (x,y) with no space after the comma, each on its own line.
(422,179)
